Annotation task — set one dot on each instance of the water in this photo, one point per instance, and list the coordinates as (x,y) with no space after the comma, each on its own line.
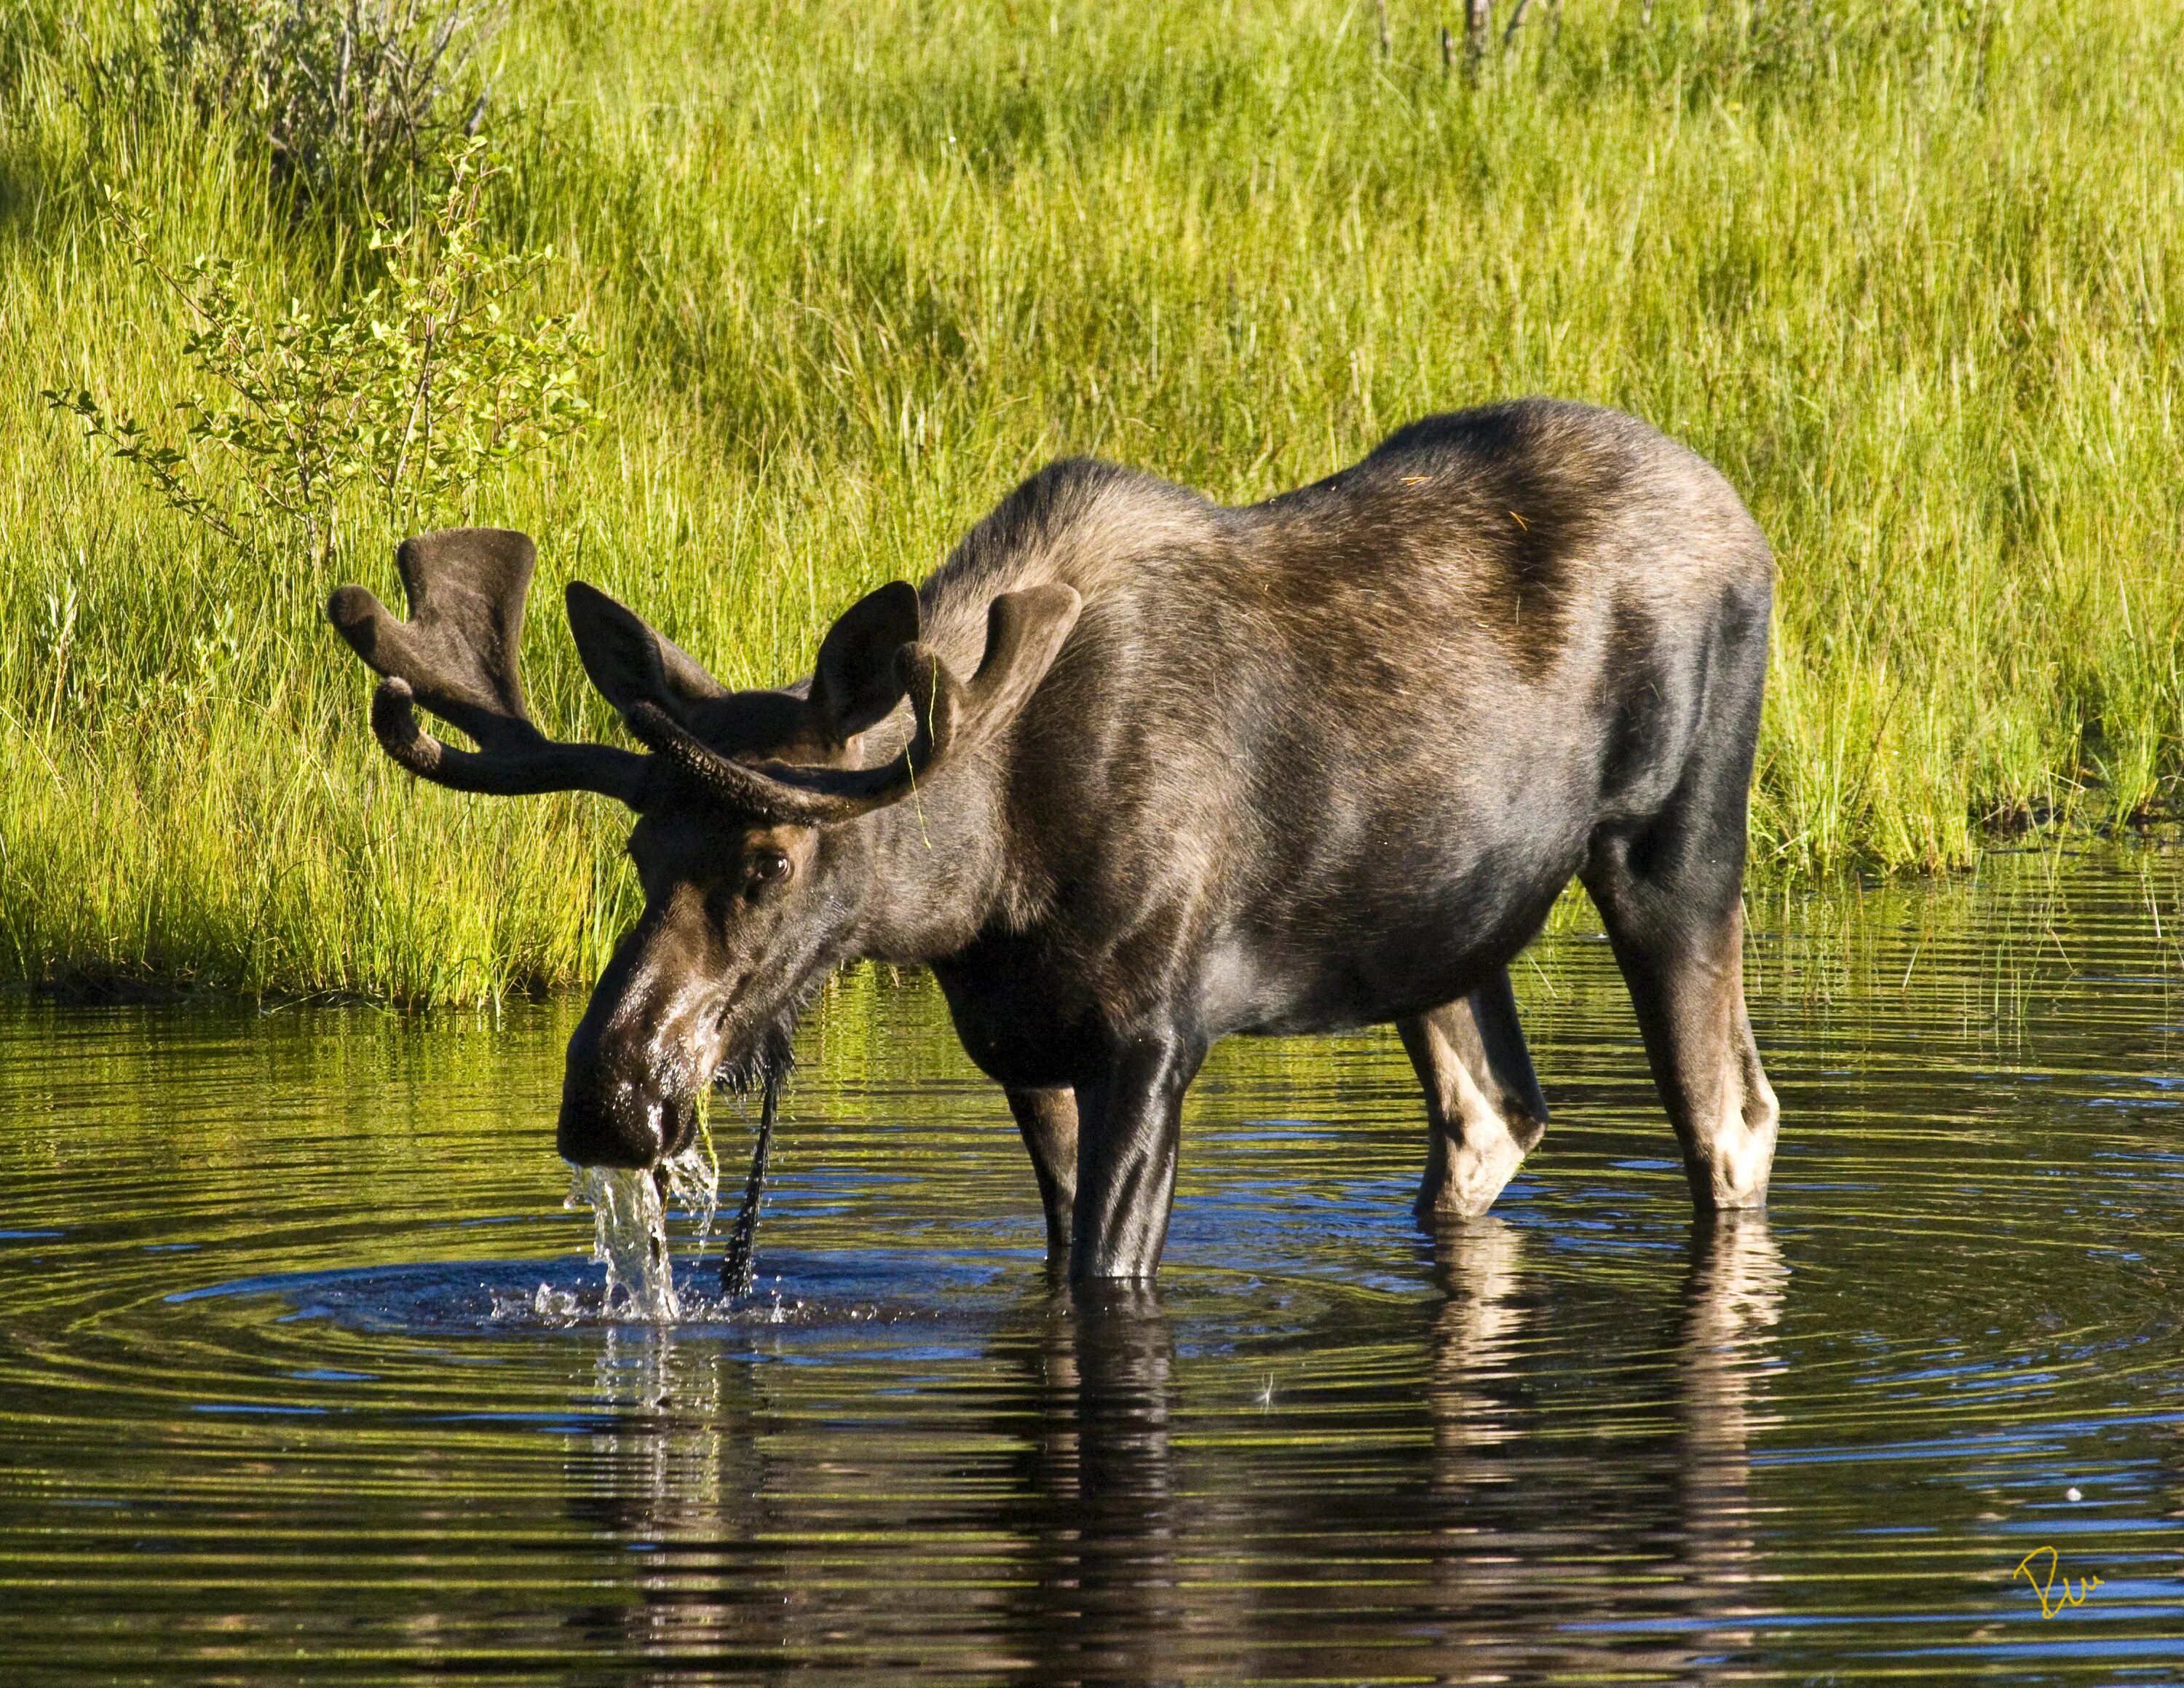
(629,1236)
(308,1373)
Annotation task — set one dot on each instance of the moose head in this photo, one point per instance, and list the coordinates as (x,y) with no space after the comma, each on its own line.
(767,829)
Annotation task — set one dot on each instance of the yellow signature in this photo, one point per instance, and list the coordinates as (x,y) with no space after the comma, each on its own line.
(2051,1603)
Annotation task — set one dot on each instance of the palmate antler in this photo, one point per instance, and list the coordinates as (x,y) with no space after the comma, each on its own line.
(457,656)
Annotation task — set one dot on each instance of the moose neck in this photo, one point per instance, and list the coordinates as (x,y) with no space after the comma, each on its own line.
(935,868)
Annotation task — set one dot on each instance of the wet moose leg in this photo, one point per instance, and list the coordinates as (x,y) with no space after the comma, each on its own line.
(1483,1109)
(1048,1120)
(1129,1122)
(1672,901)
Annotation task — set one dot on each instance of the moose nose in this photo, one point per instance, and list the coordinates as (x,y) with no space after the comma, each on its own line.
(616,1124)
(608,1120)
(620,1106)
(629,1089)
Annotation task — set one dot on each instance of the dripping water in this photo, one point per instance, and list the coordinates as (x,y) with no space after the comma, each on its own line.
(629,1229)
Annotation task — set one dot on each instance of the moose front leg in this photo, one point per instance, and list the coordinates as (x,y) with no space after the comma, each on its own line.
(1129,1120)
(1483,1109)
(1048,1120)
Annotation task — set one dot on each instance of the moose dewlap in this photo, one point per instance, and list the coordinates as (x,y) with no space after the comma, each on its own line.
(1133,771)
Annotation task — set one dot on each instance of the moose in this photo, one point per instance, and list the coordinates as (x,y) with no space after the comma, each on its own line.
(1312,764)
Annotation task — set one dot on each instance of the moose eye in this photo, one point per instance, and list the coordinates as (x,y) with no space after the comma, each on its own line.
(769,867)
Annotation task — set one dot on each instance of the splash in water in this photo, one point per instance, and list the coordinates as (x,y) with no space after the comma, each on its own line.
(694,1179)
(629,1234)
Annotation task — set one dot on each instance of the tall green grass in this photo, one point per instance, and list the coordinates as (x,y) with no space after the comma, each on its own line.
(1912,273)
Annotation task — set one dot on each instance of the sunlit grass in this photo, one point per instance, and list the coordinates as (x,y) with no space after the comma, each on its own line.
(1911,278)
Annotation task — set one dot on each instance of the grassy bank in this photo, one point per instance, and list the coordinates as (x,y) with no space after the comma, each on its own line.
(1912,274)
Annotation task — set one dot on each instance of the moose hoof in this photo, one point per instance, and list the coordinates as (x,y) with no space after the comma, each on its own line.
(1732,1175)
(1475,1175)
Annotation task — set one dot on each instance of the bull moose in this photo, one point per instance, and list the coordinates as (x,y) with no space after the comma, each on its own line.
(1319,763)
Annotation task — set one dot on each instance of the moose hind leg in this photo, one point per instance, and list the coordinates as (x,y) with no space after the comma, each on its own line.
(1483,1104)
(1676,921)
(1048,1120)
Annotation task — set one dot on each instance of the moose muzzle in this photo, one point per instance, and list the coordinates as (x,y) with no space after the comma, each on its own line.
(608,1120)
(637,1061)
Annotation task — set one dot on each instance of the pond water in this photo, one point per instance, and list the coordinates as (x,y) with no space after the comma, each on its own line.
(280,1394)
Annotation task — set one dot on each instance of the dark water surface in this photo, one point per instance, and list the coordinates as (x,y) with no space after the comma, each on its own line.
(277,1404)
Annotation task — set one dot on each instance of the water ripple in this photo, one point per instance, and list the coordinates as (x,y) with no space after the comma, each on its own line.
(309,1371)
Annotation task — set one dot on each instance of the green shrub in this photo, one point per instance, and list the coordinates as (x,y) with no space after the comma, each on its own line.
(350,97)
(402,397)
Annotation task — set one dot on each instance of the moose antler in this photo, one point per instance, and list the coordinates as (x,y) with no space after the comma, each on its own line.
(457,656)
(1024,630)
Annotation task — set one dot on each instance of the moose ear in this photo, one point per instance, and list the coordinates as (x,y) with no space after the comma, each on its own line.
(855,683)
(629,662)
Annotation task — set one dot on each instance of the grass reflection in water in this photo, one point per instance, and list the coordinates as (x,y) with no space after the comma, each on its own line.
(1578,1439)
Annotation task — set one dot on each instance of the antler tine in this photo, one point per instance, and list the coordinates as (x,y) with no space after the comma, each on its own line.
(552,767)
(814,797)
(1024,629)
(456,655)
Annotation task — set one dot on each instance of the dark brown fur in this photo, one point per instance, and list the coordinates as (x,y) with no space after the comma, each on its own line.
(1313,763)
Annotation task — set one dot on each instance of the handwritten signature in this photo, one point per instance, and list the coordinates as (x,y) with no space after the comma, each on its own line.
(2051,1601)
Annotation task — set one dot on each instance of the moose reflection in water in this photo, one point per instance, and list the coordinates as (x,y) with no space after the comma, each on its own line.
(263,1386)
(1320,763)
(1110,1536)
